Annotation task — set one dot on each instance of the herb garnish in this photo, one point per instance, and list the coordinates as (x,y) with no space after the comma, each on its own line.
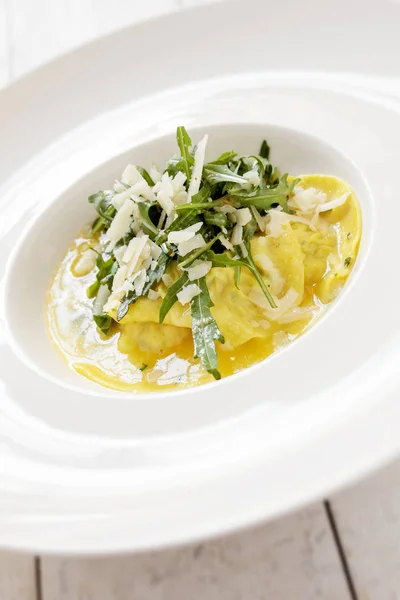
(163,208)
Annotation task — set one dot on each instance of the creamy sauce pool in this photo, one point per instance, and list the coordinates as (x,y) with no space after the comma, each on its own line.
(139,355)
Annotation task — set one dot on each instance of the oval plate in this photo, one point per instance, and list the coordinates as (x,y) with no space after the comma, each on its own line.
(70,488)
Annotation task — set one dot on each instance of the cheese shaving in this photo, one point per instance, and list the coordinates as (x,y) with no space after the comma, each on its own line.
(197,170)
(187,293)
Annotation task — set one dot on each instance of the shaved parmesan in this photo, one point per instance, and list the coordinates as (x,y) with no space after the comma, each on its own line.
(244,250)
(237,235)
(121,223)
(179,191)
(119,187)
(165,202)
(176,237)
(155,174)
(267,266)
(225,242)
(197,241)
(131,175)
(139,281)
(333,203)
(153,295)
(199,269)
(278,219)
(167,279)
(243,216)
(307,199)
(119,278)
(134,252)
(187,293)
(119,254)
(197,170)
(100,300)
(195,227)
(260,220)
(86,263)
(155,250)
(252,177)
(161,221)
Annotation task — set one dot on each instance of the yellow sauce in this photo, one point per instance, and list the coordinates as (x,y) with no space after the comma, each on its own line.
(139,355)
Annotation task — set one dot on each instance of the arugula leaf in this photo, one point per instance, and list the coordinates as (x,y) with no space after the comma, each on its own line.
(102,202)
(106,270)
(184,143)
(221,174)
(249,230)
(194,255)
(216,218)
(203,194)
(148,225)
(171,296)
(198,205)
(264,150)
(153,276)
(103,322)
(265,198)
(188,218)
(92,290)
(224,159)
(238,270)
(223,260)
(205,330)
(145,175)
(250,264)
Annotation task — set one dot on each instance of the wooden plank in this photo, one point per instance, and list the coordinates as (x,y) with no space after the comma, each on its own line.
(17,577)
(368,518)
(43,29)
(294,557)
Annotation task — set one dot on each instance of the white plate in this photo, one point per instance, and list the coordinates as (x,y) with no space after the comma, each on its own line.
(100,474)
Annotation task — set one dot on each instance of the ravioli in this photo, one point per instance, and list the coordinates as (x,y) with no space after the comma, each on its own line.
(305,266)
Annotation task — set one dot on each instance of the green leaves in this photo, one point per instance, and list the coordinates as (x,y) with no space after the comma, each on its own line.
(223,260)
(264,150)
(205,330)
(195,254)
(171,296)
(184,220)
(184,143)
(153,276)
(221,173)
(145,175)
(225,158)
(103,322)
(267,198)
(217,219)
(148,225)
(237,181)
(102,202)
(250,264)
(106,269)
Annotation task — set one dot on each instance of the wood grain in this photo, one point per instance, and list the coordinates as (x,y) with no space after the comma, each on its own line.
(291,558)
(17,577)
(368,518)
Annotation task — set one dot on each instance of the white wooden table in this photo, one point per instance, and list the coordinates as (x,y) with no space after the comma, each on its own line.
(345,548)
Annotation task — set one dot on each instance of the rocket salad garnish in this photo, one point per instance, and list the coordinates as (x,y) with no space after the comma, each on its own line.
(196,214)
